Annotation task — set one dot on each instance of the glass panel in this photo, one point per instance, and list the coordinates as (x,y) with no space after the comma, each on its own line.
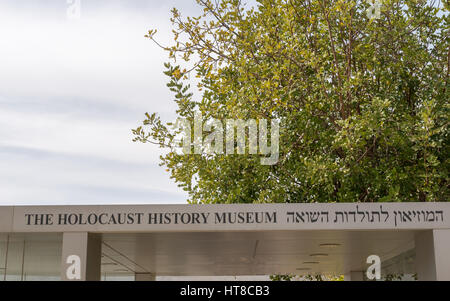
(33,256)
(3,241)
(401,267)
(42,260)
(115,267)
(14,258)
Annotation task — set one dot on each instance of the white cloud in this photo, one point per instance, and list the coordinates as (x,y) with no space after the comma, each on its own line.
(30,176)
(102,56)
(70,92)
(61,133)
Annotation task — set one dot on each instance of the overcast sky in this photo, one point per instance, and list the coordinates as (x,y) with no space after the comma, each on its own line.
(70,93)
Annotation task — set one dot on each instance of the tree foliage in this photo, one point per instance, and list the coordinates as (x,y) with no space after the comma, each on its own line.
(363,103)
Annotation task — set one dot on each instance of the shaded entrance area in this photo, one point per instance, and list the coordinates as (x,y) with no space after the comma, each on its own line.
(255,253)
(146,256)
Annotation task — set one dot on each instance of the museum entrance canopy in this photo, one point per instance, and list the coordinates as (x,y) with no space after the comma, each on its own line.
(238,239)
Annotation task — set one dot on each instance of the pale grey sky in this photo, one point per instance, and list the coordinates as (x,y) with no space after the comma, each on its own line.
(70,93)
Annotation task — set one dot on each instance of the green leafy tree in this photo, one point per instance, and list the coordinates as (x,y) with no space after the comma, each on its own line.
(363,102)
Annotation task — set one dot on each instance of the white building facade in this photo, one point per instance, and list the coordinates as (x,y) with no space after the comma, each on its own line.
(148,242)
